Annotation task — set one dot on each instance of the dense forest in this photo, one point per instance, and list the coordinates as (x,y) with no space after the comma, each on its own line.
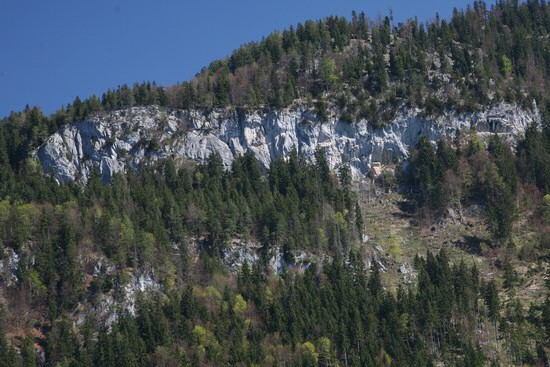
(174,221)
(335,312)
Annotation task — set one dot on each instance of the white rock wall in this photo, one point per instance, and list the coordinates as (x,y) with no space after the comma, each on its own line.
(146,134)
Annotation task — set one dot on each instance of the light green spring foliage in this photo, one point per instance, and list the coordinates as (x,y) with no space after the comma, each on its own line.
(239,307)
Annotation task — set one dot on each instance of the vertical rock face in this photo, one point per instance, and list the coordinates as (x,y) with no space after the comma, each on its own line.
(141,135)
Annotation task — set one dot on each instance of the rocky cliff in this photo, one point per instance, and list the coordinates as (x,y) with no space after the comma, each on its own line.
(140,135)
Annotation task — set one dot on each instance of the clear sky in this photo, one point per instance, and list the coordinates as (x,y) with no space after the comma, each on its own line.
(52,51)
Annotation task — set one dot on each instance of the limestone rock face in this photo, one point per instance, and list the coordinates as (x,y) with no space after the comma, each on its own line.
(141,135)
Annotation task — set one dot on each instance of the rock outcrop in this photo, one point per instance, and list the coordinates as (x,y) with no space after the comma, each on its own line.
(140,135)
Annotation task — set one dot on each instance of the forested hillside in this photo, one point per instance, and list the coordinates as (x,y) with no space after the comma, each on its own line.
(336,311)
(368,67)
(440,259)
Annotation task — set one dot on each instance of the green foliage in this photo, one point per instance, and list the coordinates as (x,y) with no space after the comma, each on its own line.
(426,174)
(506,66)
(239,307)
(534,156)
(492,301)
(475,144)
(452,177)
(327,73)
(345,306)
(498,199)
(546,203)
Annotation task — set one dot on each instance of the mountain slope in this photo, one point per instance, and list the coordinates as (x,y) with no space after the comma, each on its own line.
(217,222)
(483,55)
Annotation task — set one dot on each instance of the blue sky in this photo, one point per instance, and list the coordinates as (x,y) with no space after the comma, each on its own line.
(52,51)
